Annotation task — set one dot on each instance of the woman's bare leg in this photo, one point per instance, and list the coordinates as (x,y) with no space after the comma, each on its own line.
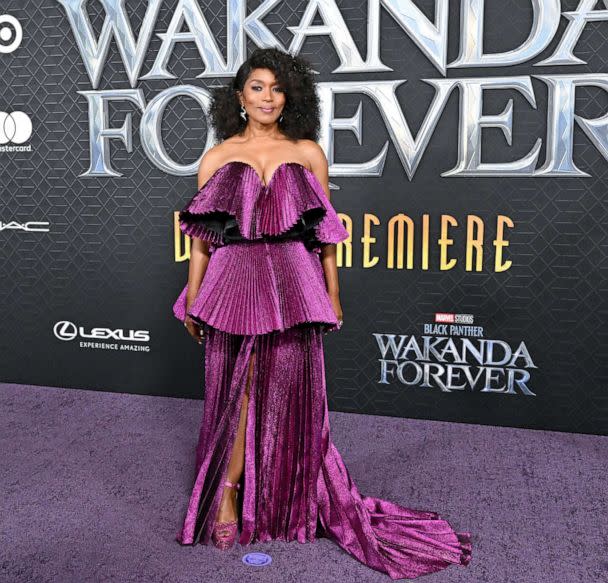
(227,509)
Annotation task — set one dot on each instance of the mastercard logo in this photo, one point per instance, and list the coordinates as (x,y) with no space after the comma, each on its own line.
(15,127)
(11,33)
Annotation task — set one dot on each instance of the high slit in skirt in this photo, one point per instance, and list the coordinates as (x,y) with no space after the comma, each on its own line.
(295,485)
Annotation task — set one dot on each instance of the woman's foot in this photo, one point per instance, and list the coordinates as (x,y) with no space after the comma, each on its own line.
(227,509)
(226,522)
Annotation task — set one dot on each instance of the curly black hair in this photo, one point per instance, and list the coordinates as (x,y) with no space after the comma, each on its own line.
(301,115)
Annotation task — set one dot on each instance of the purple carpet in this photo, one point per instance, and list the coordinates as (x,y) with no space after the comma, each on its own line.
(94,486)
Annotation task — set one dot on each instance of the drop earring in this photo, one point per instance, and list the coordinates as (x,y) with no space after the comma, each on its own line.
(243,113)
(281,118)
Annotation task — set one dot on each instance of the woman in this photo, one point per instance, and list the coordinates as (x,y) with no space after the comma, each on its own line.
(262,290)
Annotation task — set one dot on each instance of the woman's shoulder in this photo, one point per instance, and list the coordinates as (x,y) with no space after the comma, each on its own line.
(217,151)
(210,162)
(215,156)
(312,151)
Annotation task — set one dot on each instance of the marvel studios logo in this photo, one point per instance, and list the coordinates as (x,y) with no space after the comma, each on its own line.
(447,318)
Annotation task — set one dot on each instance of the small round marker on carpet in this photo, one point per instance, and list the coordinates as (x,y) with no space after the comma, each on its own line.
(257,559)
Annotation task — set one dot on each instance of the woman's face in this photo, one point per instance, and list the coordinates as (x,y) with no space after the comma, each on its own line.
(262,97)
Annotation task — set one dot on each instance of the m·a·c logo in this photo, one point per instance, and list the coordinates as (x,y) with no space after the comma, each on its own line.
(11,33)
(15,127)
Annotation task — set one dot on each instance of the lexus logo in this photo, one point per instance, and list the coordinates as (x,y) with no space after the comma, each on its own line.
(15,127)
(66,331)
(11,33)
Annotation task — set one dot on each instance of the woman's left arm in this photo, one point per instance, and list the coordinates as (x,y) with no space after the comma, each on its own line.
(320,169)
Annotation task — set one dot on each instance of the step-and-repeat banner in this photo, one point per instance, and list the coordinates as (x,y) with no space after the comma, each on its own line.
(468,148)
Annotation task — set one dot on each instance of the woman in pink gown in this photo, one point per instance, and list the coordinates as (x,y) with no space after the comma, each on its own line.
(262,291)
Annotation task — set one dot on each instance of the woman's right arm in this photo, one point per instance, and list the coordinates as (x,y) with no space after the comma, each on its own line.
(199,249)
(199,259)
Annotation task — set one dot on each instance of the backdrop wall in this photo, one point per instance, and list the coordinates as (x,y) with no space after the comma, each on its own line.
(468,147)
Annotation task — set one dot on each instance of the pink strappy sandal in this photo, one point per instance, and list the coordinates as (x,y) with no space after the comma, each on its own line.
(224,533)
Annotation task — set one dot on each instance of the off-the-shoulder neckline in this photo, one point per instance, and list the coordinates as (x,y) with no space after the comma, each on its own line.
(255,172)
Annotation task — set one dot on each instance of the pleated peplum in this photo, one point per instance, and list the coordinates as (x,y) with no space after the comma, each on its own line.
(265,240)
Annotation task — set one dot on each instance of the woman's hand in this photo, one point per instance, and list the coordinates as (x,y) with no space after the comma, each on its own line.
(335,303)
(194,329)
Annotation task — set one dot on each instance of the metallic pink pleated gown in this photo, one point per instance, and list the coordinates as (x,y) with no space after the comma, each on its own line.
(264,292)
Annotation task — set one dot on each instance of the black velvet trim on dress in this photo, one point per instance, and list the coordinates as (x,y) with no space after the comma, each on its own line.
(226,225)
